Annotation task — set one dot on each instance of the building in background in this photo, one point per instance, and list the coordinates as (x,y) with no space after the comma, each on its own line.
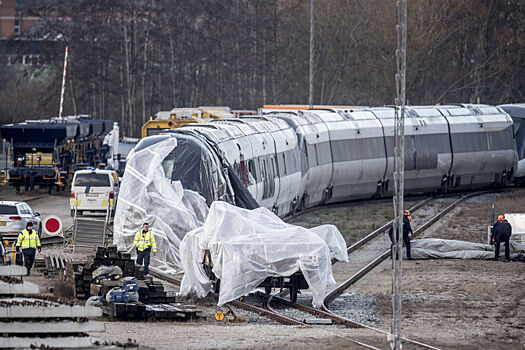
(17,16)
(22,40)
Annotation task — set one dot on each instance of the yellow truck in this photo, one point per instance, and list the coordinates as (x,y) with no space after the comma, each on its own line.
(178,117)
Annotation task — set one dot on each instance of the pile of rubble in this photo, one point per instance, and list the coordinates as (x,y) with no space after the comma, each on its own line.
(108,288)
(79,275)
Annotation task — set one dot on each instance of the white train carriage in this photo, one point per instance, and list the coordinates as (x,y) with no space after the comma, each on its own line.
(277,163)
(483,145)
(358,154)
(244,161)
(315,156)
(517,113)
(428,157)
(291,160)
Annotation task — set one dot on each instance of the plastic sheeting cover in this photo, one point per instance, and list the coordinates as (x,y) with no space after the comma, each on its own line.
(247,246)
(146,195)
(434,248)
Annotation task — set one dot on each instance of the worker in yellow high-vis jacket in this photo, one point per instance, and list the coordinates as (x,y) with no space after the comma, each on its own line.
(145,243)
(29,241)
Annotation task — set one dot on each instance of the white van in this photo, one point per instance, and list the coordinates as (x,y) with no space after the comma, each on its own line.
(94,190)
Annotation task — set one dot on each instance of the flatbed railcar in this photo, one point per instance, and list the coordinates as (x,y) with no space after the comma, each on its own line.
(45,153)
(294,283)
(294,159)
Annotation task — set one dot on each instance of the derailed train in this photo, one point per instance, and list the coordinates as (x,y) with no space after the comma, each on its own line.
(287,161)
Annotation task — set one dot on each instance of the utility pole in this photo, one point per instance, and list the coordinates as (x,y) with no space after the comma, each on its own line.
(399,175)
(63,86)
(311,90)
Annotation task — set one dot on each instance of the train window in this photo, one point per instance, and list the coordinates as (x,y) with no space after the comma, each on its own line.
(251,171)
(304,159)
(312,155)
(291,162)
(282,166)
(167,165)
(244,176)
(273,175)
(154,131)
(237,168)
(323,153)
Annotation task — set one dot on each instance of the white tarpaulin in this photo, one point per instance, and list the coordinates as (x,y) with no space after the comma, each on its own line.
(434,248)
(247,246)
(146,195)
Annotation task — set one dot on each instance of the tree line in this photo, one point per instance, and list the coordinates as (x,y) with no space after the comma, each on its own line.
(129,59)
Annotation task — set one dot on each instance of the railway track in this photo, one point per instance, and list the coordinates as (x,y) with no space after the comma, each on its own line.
(386,253)
(338,320)
(267,312)
(325,313)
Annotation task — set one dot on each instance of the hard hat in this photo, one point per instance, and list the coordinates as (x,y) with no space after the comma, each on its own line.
(501,217)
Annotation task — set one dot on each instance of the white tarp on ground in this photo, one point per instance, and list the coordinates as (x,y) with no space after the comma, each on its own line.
(146,195)
(247,246)
(434,248)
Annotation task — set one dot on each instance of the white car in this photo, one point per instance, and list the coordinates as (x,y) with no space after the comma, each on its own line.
(94,190)
(14,216)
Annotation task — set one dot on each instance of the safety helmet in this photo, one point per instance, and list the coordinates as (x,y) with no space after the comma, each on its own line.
(501,218)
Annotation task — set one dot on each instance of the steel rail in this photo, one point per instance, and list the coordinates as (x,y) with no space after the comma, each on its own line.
(374,263)
(51,240)
(315,312)
(325,313)
(325,309)
(239,304)
(381,229)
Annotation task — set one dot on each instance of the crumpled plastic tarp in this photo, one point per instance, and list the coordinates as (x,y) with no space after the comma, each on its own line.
(247,246)
(146,195)
(435,248)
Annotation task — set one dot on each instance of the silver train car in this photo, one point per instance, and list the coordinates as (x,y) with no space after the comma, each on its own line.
(288,161)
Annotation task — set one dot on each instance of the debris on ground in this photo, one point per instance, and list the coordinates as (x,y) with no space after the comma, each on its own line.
(436,248)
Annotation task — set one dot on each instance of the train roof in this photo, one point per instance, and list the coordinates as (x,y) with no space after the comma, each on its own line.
(514,110)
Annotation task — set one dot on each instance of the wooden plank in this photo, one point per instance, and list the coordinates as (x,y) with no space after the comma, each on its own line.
(50,327)
(47,260)
(59,342)
(12,270)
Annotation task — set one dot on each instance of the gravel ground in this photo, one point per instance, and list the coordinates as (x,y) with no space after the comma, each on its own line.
(452,304)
